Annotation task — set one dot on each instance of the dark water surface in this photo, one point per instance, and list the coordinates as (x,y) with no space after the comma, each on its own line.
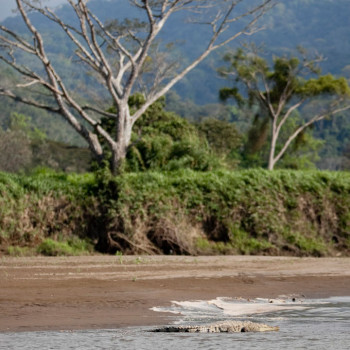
(304,324)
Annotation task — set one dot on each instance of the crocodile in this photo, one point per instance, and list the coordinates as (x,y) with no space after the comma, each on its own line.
(221,327)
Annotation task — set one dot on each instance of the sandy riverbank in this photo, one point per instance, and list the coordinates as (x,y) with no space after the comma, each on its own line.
(107,292)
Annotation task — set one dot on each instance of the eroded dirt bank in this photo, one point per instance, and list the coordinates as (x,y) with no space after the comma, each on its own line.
(107,292)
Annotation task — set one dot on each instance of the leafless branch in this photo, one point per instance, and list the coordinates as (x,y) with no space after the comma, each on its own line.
(33,103)
(305,126)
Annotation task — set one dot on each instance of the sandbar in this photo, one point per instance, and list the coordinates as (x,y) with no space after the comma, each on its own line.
(107,292)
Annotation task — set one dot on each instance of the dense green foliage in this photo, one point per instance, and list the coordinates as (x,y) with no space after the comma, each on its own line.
(182,212)
(162,140)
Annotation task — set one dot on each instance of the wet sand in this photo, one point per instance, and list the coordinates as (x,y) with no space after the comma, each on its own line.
(98,292)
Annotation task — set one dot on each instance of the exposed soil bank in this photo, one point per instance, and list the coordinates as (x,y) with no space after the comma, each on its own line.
(108,292)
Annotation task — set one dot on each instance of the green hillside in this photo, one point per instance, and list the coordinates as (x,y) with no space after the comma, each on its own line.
(320,26)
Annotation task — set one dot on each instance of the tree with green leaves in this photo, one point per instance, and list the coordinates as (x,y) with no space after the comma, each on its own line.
(124,56)
(223,137)
(162,140)
(274,93)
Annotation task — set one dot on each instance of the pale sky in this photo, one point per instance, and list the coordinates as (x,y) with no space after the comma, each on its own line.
(7,5)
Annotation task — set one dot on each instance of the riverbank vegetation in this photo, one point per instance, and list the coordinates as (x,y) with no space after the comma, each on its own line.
(299,213)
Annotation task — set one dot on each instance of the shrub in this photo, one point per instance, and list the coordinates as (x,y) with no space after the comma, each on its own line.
(49,247)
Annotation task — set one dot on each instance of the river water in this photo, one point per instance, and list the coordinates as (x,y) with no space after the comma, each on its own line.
(304,324)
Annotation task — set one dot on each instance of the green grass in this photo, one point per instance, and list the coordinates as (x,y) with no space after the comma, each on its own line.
(50,247)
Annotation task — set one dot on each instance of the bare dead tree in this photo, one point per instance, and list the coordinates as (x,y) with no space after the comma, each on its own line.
(118,54)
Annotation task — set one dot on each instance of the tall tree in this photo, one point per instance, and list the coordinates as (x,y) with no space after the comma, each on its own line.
(274,94)
(124,56)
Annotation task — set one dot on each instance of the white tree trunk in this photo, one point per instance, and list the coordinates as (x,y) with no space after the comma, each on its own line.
(274,138)
(123,134)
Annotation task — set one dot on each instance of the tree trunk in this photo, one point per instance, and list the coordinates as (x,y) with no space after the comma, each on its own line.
(273,142)
(95,147)
(118,156)
(271,163)
(123,138)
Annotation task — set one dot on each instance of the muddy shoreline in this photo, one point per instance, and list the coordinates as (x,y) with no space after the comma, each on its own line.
(98,292)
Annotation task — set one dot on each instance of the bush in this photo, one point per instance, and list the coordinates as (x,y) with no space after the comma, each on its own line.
(177,212)
(49,247)
(162,140)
